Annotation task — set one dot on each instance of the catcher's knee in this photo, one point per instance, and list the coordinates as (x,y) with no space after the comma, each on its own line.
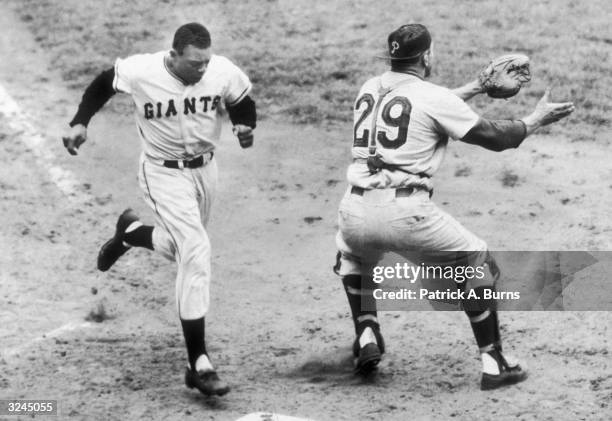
(484,271)
(479,292)
(347,264)
(478,300)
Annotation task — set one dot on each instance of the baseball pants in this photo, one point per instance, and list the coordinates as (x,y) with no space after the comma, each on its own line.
(412,226)
(181,200)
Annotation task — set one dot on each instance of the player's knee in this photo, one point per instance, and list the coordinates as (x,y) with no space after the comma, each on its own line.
(352,283)
(492,267)
(478,300)
(484,271)
(347,264)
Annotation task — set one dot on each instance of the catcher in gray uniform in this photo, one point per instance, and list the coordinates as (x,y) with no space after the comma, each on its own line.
(401,131)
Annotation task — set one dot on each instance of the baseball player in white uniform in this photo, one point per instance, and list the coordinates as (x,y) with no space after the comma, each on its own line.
(179,98)
(401,129)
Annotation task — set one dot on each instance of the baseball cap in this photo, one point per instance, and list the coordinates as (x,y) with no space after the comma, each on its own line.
(407,42)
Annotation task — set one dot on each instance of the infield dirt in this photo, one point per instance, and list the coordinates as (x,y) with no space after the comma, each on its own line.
(279,328)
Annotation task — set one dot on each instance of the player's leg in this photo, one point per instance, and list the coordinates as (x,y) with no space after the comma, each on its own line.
(176,198)
(498,369)
(469,250)
(128,226)
(432,231)
(353,264)
(131,232)
(369,344)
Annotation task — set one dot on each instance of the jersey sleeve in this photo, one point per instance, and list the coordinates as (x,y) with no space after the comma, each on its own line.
(124,74)
(238,84)
(452,114)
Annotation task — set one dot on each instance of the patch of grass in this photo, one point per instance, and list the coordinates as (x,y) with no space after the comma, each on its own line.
(308,59)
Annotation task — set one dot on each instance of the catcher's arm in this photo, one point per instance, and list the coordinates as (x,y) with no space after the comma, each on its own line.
(469,90)
(94,98)
(503,77)
(546,113)
(499,135)
(496,135)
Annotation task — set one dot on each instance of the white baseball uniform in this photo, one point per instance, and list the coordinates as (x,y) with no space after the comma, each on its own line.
(412,121)
(180,122)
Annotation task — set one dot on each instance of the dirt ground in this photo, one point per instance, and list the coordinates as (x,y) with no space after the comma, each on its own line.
(108,346)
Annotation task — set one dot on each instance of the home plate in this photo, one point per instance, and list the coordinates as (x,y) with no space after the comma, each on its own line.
(269,416)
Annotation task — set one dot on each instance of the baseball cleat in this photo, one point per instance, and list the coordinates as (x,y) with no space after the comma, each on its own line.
(370,347)
(368,359)
(506,377)
(113,249)
(379,340)
(207,382)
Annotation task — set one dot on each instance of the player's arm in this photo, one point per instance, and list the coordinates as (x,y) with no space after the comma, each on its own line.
(243,116)
(469,90)
(496,135)
(499,135)
(99,91)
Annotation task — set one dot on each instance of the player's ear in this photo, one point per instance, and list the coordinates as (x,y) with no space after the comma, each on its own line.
(426,58)
(173,53)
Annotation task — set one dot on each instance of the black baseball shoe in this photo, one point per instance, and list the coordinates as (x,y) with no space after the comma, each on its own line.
(113,249)
(368,359)
(507,376)
(379,341)
(368,356)
(207,382)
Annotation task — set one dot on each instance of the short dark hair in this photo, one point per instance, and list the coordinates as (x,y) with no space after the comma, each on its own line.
(191,34)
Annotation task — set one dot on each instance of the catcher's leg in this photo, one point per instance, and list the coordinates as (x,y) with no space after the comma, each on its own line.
(497,369)
(369,344)
(449,234)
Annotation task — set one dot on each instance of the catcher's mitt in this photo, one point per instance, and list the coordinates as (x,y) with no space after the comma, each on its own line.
(505,75)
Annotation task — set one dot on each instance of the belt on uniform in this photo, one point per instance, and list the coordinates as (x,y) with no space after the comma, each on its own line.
(187,163)
(400,192)
(375,164)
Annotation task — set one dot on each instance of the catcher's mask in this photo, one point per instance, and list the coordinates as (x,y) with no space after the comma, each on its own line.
(407,42)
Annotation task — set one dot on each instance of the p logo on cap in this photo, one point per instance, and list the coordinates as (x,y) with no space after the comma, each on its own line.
(394,46)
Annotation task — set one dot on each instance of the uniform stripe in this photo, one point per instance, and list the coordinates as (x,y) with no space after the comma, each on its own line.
(144,174)
(353,291)
(365,317)
(486,348)
(358,291)
(241,96)
(480,317)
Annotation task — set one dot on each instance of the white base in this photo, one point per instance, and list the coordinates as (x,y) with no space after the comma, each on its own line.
(269,416)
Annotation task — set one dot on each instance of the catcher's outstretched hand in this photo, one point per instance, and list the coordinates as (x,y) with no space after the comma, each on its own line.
(75,138)
(505,75)
(547,112)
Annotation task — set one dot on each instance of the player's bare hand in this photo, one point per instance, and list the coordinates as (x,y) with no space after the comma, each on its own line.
(75,138)
(244,134)
(547,112)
